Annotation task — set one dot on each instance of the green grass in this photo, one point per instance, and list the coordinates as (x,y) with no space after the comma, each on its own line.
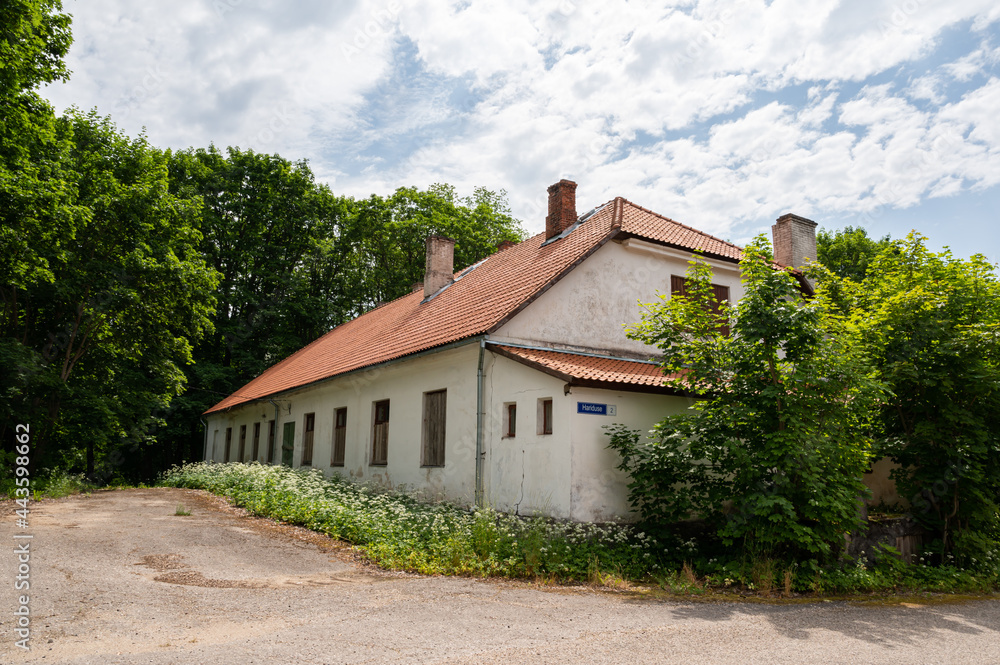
(888,575)
(399,532)
(52,486)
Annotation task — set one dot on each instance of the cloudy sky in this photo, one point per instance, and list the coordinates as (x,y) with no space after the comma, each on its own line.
(722,115)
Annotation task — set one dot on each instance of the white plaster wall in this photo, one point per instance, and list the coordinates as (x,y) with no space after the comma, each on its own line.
(590,307)
(599,491)
(571,473)
(529,473)
(403,384)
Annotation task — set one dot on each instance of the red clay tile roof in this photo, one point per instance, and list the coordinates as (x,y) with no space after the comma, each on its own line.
(638,221)
(586,370)
(479,301)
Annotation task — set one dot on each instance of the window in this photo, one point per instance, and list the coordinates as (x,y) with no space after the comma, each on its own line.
(307,439)
(215,443)
(380,433)
(434,428)
(339,437)
(229,441)
(545,415)
(243,443)
(256,442)
(678,285)
(270,442)
(510,420)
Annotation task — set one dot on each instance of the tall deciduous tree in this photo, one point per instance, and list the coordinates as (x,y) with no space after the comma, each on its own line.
(848,252)
(36,208)
(932,321)
(772,451)
(387,235)
(105,328)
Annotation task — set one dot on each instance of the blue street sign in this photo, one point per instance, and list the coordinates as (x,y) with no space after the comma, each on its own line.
(596,409)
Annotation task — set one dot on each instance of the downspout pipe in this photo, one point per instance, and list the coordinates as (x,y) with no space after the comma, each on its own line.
(480,413)
(204,443)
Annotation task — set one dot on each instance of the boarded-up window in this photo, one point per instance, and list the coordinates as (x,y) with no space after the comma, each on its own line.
(510,420)
(678,285)
(307,439)
(256,442)
(380,433)
(229,441)
(339,437)
(435,406)
(270,442)
(243,443)
(545,416)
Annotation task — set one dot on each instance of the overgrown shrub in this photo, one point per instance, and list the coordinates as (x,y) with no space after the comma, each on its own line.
(932,324)
(772,451)
(399,532)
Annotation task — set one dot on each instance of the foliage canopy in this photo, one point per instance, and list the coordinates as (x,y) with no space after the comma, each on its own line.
(931,322)
(771,452)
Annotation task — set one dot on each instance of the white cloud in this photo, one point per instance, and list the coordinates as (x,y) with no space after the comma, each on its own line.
(225,71)
(712,112)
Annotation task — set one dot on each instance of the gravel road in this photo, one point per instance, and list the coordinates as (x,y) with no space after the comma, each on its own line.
(117,577)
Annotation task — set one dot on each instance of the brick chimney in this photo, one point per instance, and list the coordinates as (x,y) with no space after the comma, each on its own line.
(562,208)
(794,240)
(439,268)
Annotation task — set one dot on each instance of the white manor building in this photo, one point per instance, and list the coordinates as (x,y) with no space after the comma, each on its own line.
(493,384)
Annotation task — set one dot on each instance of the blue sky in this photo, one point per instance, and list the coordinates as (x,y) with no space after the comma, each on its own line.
(721,115)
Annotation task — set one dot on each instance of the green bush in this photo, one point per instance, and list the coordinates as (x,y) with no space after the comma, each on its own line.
(52,485)
(399,532)
(772,451)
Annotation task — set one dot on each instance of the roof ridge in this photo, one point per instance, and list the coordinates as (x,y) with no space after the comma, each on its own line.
(681,224)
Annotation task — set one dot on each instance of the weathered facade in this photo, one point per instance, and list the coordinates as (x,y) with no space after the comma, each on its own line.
(492,384)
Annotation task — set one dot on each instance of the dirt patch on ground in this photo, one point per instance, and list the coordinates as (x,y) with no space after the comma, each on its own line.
(162,561)
(194,578)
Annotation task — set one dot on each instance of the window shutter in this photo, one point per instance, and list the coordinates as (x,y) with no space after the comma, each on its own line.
(270,442)
(678,285)
(721,294)
(339,437)
(307,439)
(434,428)
(380,434)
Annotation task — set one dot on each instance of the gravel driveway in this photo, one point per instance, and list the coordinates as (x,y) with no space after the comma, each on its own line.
(117,577)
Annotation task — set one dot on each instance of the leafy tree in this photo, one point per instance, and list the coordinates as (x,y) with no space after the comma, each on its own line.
(849,251)
(34,39)
(387,236)
(101,324)
(263,224)
(34,202)
(932,323)
(772,452)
